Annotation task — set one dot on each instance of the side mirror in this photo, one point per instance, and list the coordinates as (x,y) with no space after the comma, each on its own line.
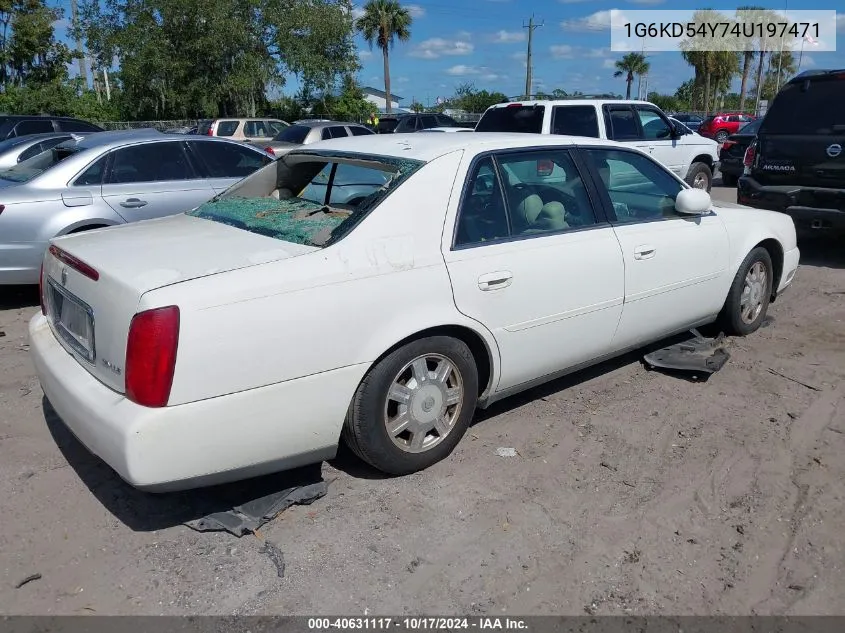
(693,202)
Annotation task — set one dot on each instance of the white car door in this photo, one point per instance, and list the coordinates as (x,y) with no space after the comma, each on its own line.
(532,260)
(658,139)
(674,265)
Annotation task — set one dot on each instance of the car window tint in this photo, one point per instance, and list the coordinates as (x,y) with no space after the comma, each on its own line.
(654,127)
(253,129)
(77,126)
(34,126)
(580,120)
(428,120)
(623,125)
(639,188)
(444,121)
(545,192)
(94,174)
(823,97)
(275,127)
(227,128)
(228,160)
(513,118)
(338,131)
(204,127)
(483,216)
(359,130)
(34,150)
(150,162)
(293,134)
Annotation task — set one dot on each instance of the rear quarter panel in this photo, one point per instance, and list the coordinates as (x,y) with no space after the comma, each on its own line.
(343,305)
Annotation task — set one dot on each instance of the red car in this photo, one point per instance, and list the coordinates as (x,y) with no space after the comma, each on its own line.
(721,126)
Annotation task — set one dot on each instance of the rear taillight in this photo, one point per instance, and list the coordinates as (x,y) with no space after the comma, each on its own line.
(748,159)
(75,263)
(151,356)
(41,290)
(270,151)
(514,105)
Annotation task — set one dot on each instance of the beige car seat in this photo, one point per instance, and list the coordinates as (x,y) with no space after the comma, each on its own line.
(531,215)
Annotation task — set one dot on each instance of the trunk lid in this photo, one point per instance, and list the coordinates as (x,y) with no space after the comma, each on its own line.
(91,316)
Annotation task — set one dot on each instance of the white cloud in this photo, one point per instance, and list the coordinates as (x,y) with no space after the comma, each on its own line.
(464,35)
(462,71)
(357,12)
(508,37)
(364,54)
(415,10)
(439,47)
(599,21)
(597,52)
(807,62)
(609,63)
(64,23)
(562,51)
(403,80)
(493,77)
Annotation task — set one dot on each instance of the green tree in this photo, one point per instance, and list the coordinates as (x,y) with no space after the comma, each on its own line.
(383,22)
(630,65)
(29,51)
(416,106)
(469,99)
(667,103)
(782,67)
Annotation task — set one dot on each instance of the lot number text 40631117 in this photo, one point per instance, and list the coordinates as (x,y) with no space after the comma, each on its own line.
(416,623)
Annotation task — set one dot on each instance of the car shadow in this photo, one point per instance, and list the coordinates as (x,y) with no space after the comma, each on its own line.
(13,297)
(822,250)
(146,512)
(347,462)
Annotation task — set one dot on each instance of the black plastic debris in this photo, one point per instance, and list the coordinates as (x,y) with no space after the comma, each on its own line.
(248,517)
(698,355)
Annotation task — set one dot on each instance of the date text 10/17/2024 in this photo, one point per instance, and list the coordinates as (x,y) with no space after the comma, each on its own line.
(417,624)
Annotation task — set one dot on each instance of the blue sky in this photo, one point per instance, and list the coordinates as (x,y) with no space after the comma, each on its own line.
(484,42)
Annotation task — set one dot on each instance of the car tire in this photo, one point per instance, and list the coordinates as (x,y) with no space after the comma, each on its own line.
(414,441)
(699,176)
(721,136)
(729,180)
(749,296)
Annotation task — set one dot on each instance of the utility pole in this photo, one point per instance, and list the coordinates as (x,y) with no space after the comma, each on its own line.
(528,61)
(83,70)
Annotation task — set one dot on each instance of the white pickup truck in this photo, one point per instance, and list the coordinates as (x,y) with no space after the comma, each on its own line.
(642,124)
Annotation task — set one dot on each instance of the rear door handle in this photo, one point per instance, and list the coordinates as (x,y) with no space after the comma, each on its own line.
(644,252)
(494,281)
(133,203)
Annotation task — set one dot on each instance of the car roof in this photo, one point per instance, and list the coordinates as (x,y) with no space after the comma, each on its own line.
(18,117)
(554,102)
(427,147)
(316,124)
(116,138)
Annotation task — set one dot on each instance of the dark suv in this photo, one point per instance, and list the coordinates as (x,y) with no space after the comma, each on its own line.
(797,163)
(416,122)
(23,125)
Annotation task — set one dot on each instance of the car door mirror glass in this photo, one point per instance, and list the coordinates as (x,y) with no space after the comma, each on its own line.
(693,202)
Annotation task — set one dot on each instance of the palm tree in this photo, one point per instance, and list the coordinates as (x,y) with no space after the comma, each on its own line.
(382,23)
(630,65)
(747,57)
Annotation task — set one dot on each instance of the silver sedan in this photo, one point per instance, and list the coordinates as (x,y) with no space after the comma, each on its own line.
(106,179)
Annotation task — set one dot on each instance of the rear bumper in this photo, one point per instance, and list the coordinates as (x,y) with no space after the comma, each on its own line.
(809,207)
(791,259)
(20,262)
(731,166)
(221,439)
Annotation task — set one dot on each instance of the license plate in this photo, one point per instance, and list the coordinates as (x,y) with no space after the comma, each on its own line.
(73,319)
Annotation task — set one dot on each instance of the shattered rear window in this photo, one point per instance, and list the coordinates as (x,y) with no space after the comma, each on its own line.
(318,197)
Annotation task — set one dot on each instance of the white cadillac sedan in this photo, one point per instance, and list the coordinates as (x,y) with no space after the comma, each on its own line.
(377,290)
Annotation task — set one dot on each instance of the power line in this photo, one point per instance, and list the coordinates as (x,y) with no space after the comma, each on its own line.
(528,61)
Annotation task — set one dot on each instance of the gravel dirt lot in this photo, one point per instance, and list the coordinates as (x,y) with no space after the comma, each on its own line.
(632,492)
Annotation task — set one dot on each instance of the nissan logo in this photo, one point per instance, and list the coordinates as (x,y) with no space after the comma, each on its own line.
(834,150)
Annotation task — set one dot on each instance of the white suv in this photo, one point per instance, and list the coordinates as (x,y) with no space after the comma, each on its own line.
(642,124)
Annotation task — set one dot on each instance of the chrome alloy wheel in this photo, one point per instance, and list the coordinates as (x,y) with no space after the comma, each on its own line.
(423,403)
(754,293)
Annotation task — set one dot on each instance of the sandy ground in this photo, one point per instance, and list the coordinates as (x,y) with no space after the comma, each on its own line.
(632,492)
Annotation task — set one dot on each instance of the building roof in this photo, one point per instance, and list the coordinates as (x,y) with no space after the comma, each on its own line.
(380,93)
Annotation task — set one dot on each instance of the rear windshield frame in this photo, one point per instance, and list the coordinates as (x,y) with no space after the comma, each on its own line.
(780,118)
(403,167)
(291,129)
(500,113)
(69,148)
